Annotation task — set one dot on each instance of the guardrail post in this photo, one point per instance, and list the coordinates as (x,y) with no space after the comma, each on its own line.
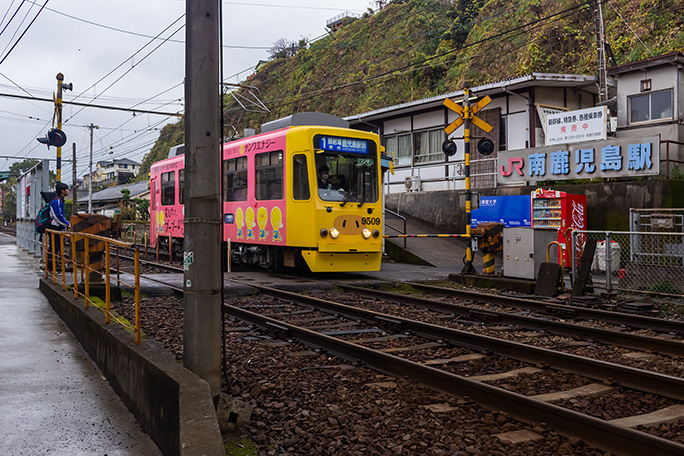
(45,252)
(73,265)
(62,258)
(52,257)
(107,283)
(86,266)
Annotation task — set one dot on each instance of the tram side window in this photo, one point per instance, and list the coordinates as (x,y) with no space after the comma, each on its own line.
(168,188)
(300,178)
(268,173)
(235,179)
(181,186)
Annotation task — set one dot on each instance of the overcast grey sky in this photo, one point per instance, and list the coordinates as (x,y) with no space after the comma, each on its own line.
(107,51)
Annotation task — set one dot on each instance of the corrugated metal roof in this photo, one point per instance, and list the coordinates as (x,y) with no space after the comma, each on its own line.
(114,193)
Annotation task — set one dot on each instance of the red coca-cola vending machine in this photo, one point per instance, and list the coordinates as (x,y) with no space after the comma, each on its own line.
(562,211)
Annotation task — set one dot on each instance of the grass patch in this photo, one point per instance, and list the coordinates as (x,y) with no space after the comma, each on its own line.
(242,447)
(665,287)
(402,288)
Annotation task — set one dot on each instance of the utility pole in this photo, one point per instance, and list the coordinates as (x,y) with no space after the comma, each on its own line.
(74,198)
(58,112)
(203,279)
(90,171)
(601,51)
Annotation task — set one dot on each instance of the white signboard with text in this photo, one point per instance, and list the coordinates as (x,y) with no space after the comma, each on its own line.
(576,126)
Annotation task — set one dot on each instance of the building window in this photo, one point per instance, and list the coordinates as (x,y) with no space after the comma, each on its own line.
(168,188)
(650,106)
(428,146)
(268,174)
(400,148)
(235,179)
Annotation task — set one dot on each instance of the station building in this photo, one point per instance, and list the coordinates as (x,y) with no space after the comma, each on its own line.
(547,129)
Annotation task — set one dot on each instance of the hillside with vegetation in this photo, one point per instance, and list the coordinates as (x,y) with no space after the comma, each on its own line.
(412,49)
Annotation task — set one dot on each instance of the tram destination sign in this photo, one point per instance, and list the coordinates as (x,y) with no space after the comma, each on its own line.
(340,144)
(625,157)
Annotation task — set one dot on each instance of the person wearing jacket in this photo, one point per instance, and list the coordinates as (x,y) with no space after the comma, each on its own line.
(58,221)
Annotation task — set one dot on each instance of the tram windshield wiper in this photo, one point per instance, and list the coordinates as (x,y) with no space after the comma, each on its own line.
(348,197)
(364,198)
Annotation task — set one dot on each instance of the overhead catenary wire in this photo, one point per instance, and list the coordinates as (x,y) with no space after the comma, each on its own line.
(23,33)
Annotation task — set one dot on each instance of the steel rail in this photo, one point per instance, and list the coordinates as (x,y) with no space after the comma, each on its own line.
(616,318)
(602,434)
(642,380)
(609,336)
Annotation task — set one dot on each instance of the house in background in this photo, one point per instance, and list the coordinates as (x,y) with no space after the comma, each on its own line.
(108,201)
(117,171)
(650,100)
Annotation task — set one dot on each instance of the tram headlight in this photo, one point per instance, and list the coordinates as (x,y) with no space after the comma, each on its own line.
(334,233)
(324,232)
(366,233)
(376,233)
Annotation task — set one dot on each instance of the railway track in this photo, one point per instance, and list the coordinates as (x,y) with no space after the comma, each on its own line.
(382,341)
(326,321)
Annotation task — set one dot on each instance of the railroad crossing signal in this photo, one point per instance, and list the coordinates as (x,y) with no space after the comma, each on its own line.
(466,113)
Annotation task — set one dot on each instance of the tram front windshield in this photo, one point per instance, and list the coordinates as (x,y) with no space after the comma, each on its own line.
(346,169)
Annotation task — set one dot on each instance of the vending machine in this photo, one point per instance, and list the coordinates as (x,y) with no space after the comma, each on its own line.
(562,211)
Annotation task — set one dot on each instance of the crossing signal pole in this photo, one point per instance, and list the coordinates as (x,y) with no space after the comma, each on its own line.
(466,117)
(58,112)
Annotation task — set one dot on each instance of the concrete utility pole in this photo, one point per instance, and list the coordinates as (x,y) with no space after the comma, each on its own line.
(202,257)
(90,171)
(601,51)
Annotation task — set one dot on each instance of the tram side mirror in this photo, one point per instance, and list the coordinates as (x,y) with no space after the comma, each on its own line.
(449,147)
(485,146)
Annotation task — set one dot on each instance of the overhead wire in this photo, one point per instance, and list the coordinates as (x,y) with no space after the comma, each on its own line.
(13,16)
(133,66)
(503,34)
(23,33)
(630,28)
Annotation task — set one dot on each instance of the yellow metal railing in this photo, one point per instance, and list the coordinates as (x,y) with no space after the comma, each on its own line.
(85,269)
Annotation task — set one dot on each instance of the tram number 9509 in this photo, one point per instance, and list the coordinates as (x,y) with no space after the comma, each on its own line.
(370,220)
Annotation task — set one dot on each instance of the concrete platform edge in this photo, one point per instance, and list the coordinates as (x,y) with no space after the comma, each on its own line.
(172,404)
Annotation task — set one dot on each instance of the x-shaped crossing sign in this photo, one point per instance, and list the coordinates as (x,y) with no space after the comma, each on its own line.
(465,114)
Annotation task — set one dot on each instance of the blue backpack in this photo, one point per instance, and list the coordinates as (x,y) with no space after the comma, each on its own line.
(43,219)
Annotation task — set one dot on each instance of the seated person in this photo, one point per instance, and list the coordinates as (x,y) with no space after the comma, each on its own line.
(324,181)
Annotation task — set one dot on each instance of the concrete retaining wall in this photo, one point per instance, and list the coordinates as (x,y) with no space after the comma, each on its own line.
(608,204)
(172,404)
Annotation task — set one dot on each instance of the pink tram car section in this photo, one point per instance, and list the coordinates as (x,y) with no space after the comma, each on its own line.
(166,219)
(257,221)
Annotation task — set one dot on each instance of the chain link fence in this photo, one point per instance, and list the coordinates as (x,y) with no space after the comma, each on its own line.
(634,261)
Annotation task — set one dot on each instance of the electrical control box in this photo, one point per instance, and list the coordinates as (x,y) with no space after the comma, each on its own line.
(524,250)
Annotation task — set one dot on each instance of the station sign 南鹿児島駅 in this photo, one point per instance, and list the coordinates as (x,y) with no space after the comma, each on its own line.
(626,157)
